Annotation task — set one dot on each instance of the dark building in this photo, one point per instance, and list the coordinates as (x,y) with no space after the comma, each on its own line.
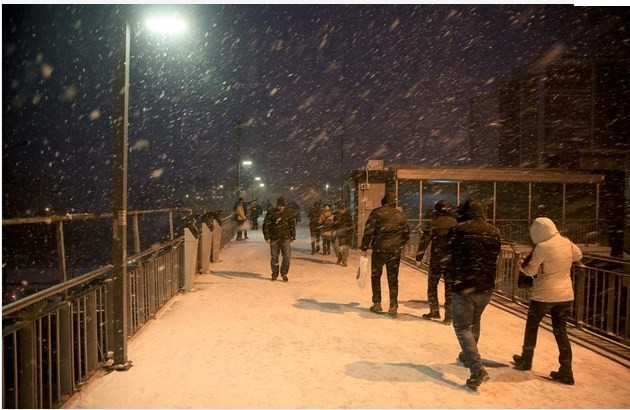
(569,113)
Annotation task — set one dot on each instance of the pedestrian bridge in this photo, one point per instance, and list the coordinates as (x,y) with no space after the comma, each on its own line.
(235,339)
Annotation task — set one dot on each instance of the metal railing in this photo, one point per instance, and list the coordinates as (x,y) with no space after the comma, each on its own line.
(601,286)
(55,339)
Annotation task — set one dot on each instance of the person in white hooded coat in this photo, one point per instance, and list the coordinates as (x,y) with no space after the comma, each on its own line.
(550,266)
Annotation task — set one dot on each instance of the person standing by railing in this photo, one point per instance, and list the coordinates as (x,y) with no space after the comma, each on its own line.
(552,293)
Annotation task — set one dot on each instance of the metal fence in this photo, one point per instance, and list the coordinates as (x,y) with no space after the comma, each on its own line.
(601,286)
(55,339)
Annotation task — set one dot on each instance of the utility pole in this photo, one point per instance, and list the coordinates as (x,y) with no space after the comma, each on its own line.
(343,131)
(237,155)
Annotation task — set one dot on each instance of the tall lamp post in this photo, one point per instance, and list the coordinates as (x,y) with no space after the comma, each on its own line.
(119,295)
(238,182)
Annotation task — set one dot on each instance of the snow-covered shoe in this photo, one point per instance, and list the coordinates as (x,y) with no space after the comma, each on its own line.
(376,308)
(523,363)
(565,378)
(476,378)
(431,315)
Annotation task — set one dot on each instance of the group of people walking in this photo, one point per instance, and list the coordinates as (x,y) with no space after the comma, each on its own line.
(331,228)
(464,252)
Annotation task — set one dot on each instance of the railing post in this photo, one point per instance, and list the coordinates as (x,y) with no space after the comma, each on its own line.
(580,295)
(65,339)
(27,386)
(170,225)
(61,254)
(136,233)
(610,302)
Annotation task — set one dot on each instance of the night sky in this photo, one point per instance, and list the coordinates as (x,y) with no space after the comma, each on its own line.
(399,79)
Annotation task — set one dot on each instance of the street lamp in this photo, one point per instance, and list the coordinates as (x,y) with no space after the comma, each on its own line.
(238,182)
(118,315)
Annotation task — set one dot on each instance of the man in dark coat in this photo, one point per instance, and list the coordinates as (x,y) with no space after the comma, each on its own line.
(279,232)
(342,233)
(475,245)
(386,230)
(436,234)
(313,224)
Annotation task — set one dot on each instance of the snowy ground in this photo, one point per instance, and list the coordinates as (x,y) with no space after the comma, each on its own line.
(242,341)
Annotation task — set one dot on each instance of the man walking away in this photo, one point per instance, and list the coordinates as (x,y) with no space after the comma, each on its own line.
(342,231)
(279,232)
(475,245)
(313,223)
(436,234)
(386,230)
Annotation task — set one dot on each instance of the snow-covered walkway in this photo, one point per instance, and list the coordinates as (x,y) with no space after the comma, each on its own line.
(243,341)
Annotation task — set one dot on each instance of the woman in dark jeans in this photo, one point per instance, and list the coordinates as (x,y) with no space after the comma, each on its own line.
(550,266)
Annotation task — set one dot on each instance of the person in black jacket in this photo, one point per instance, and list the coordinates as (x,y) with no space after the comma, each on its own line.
(475,245)
(387,231)
(279,232)
(436,234)
(313,224)
(342,231)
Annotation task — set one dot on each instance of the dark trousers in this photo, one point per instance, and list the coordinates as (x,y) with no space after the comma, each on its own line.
(435,273)
(392,263)
(277,247)
(316,238)
(559,313)
(326,244)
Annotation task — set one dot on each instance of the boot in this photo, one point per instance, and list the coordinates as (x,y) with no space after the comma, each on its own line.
(476,378)
(376,308)
(448,318)
(524,361)
(393,311)
(563,377)
(433,314)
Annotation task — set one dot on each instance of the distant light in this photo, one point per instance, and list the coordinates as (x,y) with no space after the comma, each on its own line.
(166,25)
(247,163)
(257,178)
(261,185)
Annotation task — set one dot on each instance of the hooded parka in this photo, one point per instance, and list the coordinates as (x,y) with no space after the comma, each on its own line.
(555,253)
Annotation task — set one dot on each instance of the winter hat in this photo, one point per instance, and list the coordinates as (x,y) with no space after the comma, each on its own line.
(281,201)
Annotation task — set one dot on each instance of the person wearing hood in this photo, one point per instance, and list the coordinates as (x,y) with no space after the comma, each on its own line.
(474,246)
(550,266)
(387,232)
(436,235)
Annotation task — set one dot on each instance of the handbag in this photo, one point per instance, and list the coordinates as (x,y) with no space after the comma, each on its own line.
(525,282)
(362,272)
